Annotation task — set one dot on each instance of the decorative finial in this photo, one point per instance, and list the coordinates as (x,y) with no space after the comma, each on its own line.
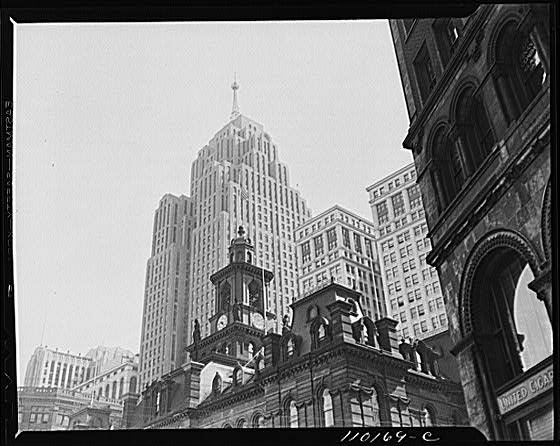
(235,108)
(241,231)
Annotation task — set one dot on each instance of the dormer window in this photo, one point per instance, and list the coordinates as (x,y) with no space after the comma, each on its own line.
(290,347)
(238,376)
(217,383)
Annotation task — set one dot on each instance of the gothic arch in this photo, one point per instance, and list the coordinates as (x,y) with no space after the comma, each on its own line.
(546,222)
(500,238)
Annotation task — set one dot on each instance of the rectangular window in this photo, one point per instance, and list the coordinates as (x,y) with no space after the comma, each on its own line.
(331,238)
(357,243)
(346,238)
(318,243)
(414,196)
(305,252)
(369,248)
(424,326)
(382,212)
(424,73)
(398,204)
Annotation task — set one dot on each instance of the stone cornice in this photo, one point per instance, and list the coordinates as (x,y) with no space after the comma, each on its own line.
(226,334)
(242,393)
(235,266)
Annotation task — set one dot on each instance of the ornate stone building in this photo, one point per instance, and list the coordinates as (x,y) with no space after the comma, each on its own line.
(478,96)
(331,366)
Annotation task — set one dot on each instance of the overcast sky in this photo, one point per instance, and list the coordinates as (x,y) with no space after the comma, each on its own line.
(110,117)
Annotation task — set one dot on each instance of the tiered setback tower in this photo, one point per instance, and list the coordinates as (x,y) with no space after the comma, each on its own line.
(414,296)
(338,245)
(167,273)
(236,180)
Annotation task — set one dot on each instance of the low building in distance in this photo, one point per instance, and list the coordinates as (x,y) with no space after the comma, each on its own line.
(45,409)
(49,367)
(413,292)
(332,365)
(338,244)
(110,373)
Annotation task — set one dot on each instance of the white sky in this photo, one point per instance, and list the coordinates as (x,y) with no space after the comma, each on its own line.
(110,117)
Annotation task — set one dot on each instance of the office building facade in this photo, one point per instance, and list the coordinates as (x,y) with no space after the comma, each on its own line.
(478,95)
(166,289)
(413,292)
(340,245)
(54,368)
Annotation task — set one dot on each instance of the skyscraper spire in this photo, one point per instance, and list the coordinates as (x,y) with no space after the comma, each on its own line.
(235,108)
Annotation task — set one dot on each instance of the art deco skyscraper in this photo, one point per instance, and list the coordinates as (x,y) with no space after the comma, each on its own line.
(162,340)
(238,179)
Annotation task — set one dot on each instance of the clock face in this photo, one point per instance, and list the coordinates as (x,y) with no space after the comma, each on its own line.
(222,322)
(258,321)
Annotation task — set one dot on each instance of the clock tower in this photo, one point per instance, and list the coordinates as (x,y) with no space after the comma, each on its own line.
(240,317)
(240,288)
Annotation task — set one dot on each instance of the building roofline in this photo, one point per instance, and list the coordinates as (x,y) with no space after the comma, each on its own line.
(388,177)
(332,208)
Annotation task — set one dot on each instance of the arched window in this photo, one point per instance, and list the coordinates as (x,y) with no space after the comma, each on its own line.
(217,383)
(327,408)
(121,387)
(290,347)
(132,386)
(238,376)
(474,131)
(114,390)
(226,426)
(108,391)
(511,324)
(293,414)
(225,295)
(448,174)
(321,333)
(251,349)
(258,421)
(428,417)
(532,322)
(520,69)
(254,294)
(241,424)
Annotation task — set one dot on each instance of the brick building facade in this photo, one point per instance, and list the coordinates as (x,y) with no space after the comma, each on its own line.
(478,96)
(331,366)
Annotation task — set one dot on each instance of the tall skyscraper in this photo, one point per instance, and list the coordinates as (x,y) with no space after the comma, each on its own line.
(338,244)
(166,286)
(238,179)
(414,295)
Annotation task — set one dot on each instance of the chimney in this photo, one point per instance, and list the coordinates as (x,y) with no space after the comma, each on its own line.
(387,335)
(340,321)
(192,372)
(271,344)
(130,402)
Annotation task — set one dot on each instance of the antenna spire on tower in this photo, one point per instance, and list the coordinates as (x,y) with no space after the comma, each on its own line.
(235,107)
